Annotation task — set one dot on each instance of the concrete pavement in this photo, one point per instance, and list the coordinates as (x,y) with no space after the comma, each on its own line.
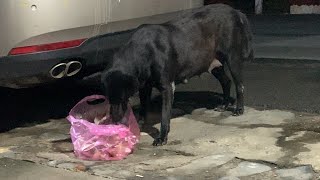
(203,144)
(287,47)
(269,84)
(286,36)
(11,169)
(284,25)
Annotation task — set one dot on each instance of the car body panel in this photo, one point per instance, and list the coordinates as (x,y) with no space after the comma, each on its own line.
(33,22)
(105,24)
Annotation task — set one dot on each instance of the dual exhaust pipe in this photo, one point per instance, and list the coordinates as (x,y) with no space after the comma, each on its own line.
(65,69)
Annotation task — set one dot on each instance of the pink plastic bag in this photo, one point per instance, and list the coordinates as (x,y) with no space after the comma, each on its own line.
(101,142)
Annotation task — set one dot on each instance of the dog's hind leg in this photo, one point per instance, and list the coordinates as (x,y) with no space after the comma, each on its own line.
(235,64)
(225,82)
(173,85)
(145,98)
(167,101)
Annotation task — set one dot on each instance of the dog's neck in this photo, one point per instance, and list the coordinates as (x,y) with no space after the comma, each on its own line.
(138,66)
(142,73)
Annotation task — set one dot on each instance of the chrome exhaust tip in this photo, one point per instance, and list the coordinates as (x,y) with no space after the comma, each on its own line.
(72,68)
(58,71)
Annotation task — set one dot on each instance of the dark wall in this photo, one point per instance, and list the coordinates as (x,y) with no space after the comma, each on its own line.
(246,6)
(269,6)
(207,2)
(276,6)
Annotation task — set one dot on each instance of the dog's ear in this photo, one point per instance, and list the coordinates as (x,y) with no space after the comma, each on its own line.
(105,82)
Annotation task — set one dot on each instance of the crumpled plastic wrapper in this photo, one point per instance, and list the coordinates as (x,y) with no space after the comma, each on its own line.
(94,137)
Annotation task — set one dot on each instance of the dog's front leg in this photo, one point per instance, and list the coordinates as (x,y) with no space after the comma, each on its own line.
(167,100)
(145,97)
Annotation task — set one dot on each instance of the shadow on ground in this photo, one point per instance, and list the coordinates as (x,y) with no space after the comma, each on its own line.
(25,107)
(184,103)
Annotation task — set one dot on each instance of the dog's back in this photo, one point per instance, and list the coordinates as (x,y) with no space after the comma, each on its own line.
(217,22)
(189,43)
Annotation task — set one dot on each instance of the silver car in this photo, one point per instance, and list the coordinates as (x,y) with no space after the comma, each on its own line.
(45,40)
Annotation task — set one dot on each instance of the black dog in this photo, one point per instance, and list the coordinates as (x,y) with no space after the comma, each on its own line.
(205,39)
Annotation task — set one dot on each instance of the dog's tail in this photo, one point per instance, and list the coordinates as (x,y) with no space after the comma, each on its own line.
(248,50)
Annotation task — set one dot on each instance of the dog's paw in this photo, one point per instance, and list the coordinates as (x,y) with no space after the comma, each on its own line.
(238,112)
(159,142)
(221,108)
(227,105)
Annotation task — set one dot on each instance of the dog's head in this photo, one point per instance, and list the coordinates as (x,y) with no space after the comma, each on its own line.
(119,87)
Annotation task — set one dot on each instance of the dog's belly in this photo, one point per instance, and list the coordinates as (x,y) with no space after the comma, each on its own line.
(196,57)
(184,76)
(188,73)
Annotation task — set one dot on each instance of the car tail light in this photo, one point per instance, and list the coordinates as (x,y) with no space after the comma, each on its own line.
(46,47)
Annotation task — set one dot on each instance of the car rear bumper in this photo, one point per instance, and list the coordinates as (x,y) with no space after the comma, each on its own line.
(95,54)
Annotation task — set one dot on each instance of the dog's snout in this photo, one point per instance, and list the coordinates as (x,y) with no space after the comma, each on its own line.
(117,112)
